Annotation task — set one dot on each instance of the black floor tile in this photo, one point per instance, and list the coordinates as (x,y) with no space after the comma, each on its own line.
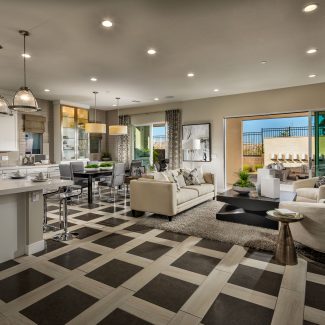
(315,268)
(232,311)
(91,205)
(52,208)
(256,279)
(111,209)
(125,203)
(150,250)
(114,273)
(260,255)
(138,228)
(21,283)
(58,224)
(197,263)
(74,258)
(59,307)
(50,246)
(308,323)
(173,236)
(215,245)
(167,292)
(121,317)
(88,216)
(86,232)
(113,240)
(315,295)
(112,222)
(7,264)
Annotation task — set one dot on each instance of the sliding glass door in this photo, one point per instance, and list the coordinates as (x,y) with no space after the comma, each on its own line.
(320,143)
(149,143)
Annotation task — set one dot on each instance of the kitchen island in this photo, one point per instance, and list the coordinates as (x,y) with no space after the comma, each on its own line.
(21,216)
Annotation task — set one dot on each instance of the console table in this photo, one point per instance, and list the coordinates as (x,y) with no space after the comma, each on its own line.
(250,211)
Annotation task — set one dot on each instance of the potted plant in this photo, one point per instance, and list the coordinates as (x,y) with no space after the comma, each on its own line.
(106,156)
(106,166)
(91,167)
(243,186)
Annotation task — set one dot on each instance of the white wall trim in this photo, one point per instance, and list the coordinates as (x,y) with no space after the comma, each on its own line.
(35,247)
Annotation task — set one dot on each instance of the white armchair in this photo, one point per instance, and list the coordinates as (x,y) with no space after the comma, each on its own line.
(309,231)
(306,191)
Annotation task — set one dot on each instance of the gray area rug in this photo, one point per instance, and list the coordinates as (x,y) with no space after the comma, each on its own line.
(201,222)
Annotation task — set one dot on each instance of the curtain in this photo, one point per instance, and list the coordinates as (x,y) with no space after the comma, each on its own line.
(174,137)
(124,141)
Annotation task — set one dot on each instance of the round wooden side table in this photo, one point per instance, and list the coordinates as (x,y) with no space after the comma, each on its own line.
(285,252)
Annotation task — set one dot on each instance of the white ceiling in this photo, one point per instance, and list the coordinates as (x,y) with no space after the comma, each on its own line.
(221,41)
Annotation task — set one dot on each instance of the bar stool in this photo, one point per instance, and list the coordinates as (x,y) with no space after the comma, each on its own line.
(48,193)
(69,193)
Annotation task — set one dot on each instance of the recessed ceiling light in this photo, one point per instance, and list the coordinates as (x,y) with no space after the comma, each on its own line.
(263,62)
(311,51)
(190,74)
(310,8)
(151,51)
(312,76)
(156,98)
(25,55)
(93,79)
(107,23)
(216,89)
(114,105)
(47,90)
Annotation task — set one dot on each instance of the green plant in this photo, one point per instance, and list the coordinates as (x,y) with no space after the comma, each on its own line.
(152,168)
(258,166)
(244,180)
(247,168)
(106,164)
(155,155)
(92,166)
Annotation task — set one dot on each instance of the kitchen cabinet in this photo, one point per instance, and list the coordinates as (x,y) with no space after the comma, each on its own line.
(8,133)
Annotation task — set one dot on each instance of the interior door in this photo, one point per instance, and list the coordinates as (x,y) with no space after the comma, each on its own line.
(320,143)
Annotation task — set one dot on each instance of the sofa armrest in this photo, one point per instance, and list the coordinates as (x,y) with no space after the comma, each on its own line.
(210,178)
(305,183)
(153,196)
(321,193)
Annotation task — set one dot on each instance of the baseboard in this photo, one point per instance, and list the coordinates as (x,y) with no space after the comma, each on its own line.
(35,247)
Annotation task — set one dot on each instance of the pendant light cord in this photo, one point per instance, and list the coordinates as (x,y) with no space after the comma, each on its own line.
(25,79)
(95,93)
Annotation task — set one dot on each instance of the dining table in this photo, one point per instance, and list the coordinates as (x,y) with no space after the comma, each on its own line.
(90,175)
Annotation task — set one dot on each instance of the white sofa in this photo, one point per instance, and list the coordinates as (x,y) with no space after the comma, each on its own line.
(309,231)
(306,191)
(162,197)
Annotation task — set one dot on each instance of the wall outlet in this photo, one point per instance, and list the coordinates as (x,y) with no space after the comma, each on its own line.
(35,197)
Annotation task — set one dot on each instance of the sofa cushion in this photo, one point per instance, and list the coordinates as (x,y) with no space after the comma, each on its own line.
(185,195)
(309,193)
(191,177)
(202,189)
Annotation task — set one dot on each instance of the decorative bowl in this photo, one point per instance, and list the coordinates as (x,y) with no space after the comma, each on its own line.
(243,190)
(91,169)
(106,168)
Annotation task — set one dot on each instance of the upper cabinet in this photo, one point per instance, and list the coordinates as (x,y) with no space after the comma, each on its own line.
(75,141)
(8,133)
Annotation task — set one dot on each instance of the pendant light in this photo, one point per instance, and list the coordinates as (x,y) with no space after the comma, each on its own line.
(118,129)
(4,107)
(24,100)
(94,127)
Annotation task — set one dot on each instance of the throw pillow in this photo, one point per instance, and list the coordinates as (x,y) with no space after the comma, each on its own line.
(320,181)
(175,180)
(191,177)
(200,175)
(161,177)
(181,180)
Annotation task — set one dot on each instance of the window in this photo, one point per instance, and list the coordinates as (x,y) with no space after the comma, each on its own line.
(33,143)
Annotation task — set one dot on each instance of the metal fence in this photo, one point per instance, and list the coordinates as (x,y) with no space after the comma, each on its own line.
(253,141)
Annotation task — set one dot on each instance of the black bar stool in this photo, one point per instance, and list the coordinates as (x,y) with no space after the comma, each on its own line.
(48,193)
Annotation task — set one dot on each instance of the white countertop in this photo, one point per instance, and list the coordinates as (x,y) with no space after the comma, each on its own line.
(14,186)
(28,166)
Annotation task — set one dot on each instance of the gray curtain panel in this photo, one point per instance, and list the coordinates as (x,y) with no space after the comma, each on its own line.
(124,141)
(174,123)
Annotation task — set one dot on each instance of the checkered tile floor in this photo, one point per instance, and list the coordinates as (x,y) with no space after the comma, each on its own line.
(120,272)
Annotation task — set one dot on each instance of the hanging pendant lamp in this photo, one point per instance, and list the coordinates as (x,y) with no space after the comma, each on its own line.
(24,100)
(118,129)
(4,107)
(94,127)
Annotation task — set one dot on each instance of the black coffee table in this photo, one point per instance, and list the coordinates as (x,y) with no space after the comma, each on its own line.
(250,211)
